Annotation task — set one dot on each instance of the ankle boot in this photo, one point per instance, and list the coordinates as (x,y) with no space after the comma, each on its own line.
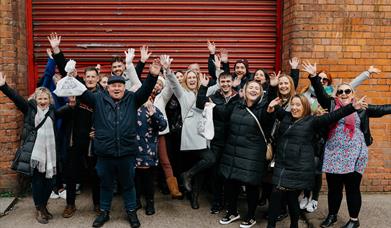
(173,186)
(103,217)
(194,201)
(46,212)
(150,207)
(40,215)
(133,219)
(186,181)
(352,224)
(329,221)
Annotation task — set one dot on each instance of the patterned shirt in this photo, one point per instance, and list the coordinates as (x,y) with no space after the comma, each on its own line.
(344,154)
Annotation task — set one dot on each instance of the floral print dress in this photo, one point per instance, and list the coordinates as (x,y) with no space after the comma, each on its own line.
(148,128)
(344,154)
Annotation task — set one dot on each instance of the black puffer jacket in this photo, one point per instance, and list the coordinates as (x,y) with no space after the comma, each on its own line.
(29,134)
(244,156)
(295,166)
(220,111)
(328,103)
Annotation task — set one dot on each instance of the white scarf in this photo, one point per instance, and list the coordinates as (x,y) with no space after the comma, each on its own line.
(43,156)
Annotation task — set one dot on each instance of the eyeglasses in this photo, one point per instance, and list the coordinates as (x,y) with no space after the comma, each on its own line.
(325,80)
(346,91)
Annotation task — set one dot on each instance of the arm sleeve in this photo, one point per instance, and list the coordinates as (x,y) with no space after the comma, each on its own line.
(145,90)
(18,100)
(323,98)
(211,66)
(61,63)
(133,82)
(331,117)
(139,68)
(47,78)
(295,74)
(201,97)
(225,67)
(359,79)
(175,85)
(378,110)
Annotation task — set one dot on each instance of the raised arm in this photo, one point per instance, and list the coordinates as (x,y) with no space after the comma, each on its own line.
(143,59)
(18,100)
(55,41)
(145,90)
(323,98)
(158,122)
(378,110)
(201,97)
(359,79)
(331,117)
(132,80)
(50,69)
(211,65)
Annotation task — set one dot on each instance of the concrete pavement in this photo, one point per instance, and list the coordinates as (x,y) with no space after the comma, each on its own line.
(376,212)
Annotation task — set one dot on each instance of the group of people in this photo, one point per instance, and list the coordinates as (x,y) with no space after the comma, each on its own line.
(267,136)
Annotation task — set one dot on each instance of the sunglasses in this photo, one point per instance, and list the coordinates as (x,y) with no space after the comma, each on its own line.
(325,80)
(346,91)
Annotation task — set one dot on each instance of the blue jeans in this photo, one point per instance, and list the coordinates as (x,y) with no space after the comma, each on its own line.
(41,188)
(123,169)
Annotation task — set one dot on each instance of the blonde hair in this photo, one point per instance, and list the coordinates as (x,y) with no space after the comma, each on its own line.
(246,85)
(39,91)
(184,81)
(292,84)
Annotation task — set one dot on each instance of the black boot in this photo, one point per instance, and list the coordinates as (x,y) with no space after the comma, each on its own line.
(352,224)
(194,200)
(133,219)
(150,207)
(103,217)
(329,221)
(186,181)
(138,204)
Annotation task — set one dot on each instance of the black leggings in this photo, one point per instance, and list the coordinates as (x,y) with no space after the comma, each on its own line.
(335,183)
(316,189)
(144,180)
(232,191)
(276,199)
(41,187)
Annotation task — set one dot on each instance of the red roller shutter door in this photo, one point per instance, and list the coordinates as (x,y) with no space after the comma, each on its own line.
(95,31)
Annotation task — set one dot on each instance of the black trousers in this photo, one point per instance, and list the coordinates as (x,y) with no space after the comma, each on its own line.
(144,181)
(41,188)
(173,142)
(276,199)
(217,180)
(335,183)
(232,191)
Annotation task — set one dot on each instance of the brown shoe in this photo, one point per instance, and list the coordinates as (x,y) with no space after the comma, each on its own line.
(173,186)
(69,211)
(41,218)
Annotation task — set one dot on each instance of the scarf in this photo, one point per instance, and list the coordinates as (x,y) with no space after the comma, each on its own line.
(349,122)
(43,156)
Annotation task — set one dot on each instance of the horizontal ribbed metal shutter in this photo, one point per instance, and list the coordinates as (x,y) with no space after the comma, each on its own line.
(95,31)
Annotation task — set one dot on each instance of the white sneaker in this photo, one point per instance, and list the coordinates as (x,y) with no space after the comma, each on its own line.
(229,218)
(303,202)
(63,194)
(312,206)
(53,195)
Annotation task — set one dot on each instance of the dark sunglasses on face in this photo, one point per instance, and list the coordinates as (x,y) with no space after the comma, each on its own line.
(346,91)
(324,80)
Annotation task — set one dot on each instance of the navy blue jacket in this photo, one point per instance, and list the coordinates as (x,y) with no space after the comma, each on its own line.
(115,122)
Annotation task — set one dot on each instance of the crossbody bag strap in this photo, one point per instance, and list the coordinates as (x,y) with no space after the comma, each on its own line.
(42,122)
(259,125)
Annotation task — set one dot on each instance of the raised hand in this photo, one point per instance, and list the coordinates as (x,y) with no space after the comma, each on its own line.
(224,55)
(129,56)
(204,80)
(372,70)
(150,108)
(274,78)
(49,52)
(2,79)
(360,104)
(272,104)
(154,68)
(294,62)
(211,47)
(217,62)
(165,61)
(98,67)
(236,82)
(311,69)
(55,41)
(144,53)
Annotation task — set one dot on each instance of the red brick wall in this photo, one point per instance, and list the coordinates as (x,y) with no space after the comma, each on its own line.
(13,62)
(345,37)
